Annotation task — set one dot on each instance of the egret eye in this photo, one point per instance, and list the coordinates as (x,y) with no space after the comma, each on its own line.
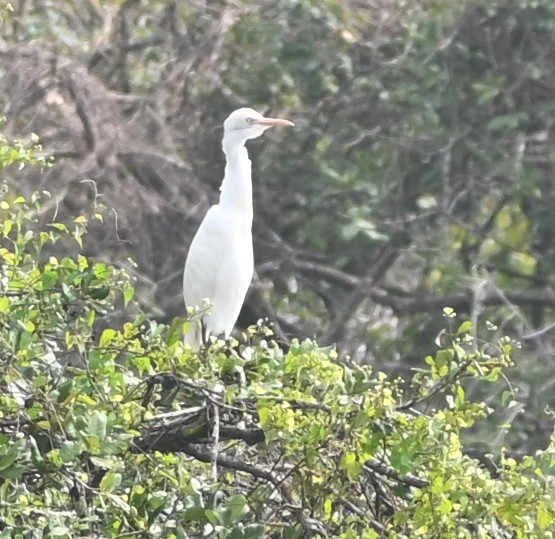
(250,121)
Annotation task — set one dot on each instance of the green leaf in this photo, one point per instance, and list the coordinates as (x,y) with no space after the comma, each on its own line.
(107,337)
(70,451)
(13,472)
(546,518)
(7,226)
(466,327)
(507,121)
(328,508)
(68,291)
(4,304)
(128,294)
(64,390)
(524,263)
(50,279)
(237,508)
(97,424)
(352,465)
(8,459)
(111,481)
(213,517)
(59,531)
(194,514)
(59,226)
(99,292)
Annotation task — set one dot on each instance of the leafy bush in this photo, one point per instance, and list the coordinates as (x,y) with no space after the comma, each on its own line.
(124,431)
(423,128)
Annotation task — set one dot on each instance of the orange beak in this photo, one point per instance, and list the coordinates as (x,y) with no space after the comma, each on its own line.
(273,122)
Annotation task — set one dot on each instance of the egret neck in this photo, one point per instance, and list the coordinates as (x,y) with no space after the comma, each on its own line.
(236,188)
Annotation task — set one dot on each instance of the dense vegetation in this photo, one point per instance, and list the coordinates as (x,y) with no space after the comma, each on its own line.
(127,432)
(407,218)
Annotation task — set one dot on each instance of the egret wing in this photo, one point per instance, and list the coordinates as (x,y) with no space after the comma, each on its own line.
(219,268)
(203,261)
(233,281)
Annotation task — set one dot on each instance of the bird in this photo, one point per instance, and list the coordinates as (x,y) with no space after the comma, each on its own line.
(220,262)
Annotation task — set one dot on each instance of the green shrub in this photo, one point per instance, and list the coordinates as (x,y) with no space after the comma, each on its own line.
(125,432)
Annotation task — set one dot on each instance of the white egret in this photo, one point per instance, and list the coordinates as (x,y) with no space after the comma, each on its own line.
(219,264)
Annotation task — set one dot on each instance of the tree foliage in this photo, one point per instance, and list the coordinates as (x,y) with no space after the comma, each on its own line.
(407,218)
(423,131)
(124,431)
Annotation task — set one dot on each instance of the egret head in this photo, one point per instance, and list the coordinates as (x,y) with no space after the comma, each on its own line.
(244,124)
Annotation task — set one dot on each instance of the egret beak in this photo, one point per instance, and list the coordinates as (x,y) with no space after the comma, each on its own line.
(272,122)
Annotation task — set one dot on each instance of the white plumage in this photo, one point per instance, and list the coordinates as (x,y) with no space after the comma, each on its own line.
(220,264)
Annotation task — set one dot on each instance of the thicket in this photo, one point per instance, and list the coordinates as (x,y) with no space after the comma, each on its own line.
(110,431)
(405,225)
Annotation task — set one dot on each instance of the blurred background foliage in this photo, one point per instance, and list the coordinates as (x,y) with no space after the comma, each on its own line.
(420,174)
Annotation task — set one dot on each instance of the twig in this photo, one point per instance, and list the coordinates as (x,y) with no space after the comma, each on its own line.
(436,388)
(294,403)
(382,469)
(216,439)
(406,303)
(311,526)
(335,328)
